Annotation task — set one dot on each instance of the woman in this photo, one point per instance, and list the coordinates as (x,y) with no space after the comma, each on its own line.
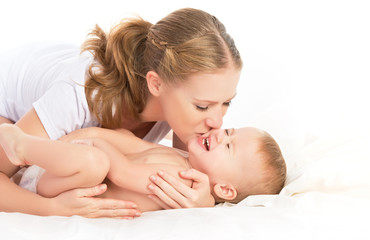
(179,73)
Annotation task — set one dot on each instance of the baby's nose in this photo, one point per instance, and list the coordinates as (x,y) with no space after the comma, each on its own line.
(219,136)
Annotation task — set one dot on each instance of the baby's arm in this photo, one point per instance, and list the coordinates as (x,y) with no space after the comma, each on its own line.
(133,176)
(122,139)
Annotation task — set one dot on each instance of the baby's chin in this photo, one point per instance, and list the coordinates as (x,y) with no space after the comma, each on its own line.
(190,145)
(193,148)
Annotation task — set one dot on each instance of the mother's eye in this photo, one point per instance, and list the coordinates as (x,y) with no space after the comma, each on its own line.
(201,108)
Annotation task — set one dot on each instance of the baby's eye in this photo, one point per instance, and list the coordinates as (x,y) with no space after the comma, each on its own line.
(227,104)
(227,134)
(201,108)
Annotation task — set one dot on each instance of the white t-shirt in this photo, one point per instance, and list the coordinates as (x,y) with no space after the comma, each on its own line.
(50,78)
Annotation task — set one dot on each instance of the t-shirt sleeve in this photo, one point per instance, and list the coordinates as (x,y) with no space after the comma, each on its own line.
(63,109)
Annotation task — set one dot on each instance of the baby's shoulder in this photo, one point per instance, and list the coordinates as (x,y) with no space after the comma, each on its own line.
(162,155)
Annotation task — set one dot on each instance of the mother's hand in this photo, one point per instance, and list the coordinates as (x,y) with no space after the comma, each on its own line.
(82,202)
(169,192)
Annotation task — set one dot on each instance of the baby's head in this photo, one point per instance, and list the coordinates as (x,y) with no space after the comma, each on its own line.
(239,162)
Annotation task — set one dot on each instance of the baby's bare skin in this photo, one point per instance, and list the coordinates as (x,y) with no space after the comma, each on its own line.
(10,135)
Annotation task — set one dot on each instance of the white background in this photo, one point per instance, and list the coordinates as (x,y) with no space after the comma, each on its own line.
(306,63)
(306,73)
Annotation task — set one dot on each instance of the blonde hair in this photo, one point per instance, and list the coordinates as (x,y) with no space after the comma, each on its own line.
(185,42)
(273,170)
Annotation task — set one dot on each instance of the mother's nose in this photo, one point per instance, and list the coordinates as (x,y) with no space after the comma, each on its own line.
(215,120)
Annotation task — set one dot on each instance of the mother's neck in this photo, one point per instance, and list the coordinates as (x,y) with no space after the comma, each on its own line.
(152,111)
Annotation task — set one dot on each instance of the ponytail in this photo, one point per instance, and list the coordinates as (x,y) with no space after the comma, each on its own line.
(116,83)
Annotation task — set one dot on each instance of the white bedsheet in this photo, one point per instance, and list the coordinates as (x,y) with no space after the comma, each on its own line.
(238,222)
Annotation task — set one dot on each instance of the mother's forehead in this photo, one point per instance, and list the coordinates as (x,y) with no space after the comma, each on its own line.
(225,80)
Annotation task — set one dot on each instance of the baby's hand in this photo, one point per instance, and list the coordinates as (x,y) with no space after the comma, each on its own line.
(11,141)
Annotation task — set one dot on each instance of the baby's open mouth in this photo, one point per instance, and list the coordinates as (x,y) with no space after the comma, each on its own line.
(206,143)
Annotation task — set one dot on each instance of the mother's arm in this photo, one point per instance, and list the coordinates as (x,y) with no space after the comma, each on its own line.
(14,198)
(75,202)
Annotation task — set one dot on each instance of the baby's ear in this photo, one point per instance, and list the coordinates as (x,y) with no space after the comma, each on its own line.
(154,82)
(225,191)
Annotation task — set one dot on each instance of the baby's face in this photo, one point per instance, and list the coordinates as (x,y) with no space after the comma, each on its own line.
(226,154)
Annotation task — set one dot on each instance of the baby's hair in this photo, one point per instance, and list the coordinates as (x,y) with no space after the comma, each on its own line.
(274,169)
(185,42)
(274,163)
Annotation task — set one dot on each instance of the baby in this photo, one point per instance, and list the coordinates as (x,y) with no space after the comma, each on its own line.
(238,162)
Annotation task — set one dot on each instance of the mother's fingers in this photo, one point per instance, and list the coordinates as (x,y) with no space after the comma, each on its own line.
(171,189)
(114,213)
(82,202)
(164,192)
(195,175)
(106,203)
(101,207)
(182,188)
(199,195)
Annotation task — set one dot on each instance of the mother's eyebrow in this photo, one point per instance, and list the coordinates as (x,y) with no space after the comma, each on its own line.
(209,101)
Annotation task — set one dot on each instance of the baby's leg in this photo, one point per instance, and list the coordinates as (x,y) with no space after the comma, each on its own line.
(75,166)
(67,165)
(11,141)
(6,167)
(71,166)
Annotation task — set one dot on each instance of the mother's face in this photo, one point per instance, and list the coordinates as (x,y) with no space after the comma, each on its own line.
(198,104)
